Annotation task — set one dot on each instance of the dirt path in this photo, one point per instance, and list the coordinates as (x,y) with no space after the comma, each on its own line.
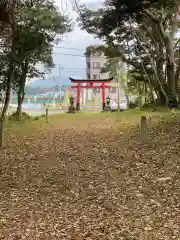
(90,181)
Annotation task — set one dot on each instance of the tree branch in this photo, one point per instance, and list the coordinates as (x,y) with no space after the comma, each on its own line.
(177,74)
(150,35)
(177,6)
(174,26)
(152,64)
(159,24)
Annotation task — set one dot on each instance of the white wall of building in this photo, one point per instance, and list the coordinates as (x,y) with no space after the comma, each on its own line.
(94,65)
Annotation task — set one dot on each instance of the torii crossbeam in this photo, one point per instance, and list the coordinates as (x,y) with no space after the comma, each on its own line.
(91,84)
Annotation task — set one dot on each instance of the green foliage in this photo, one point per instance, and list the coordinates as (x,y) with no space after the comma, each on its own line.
(175,113)
(37,118)
(24,116)
(132,105)
(172,101)
(29,40)
(143,35)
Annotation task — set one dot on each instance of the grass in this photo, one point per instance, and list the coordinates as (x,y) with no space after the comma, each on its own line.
(128,116)
(33,126)
(23,128)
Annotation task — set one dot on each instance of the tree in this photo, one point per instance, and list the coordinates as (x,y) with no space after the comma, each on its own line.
(116,68)
(35,28)
(132,86)
(143,34)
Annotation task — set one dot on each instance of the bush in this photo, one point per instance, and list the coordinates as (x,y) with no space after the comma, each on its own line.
(172,101)
(132,105)
(37,117)
(24,116)
(175,113)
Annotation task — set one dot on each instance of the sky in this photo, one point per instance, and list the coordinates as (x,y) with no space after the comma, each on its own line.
(73,43)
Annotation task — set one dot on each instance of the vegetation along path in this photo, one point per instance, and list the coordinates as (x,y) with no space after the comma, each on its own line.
(90,178)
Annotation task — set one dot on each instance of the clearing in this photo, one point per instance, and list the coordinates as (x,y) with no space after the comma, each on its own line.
(85,177)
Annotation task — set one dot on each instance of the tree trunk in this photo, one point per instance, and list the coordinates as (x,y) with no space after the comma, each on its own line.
(21,92)
(168,43)
(170,66)
(171,79)
(10,73)
(152,94)
(162,98)
(127,100)
(8,93)
(145,92)
(19,108)
(118,97)
(177,75)
(21,95)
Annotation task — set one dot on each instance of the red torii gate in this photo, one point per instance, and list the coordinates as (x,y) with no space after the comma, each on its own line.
(91,84)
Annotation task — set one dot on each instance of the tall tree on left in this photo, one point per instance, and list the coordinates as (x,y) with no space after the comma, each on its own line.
(35,28)
(8,35)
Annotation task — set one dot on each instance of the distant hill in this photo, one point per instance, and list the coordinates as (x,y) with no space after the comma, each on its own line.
(36,90)
(49,82)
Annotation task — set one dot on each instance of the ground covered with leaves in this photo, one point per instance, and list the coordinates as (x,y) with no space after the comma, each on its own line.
(90,178)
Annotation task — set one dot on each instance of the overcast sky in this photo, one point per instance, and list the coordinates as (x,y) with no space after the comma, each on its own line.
(73,43)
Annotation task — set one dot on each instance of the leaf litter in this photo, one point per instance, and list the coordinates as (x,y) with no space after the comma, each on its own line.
(91,179)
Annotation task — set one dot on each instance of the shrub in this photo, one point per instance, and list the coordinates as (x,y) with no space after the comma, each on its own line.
(37,118)
(175,113)
(172,101)
(132,105)
(24,116)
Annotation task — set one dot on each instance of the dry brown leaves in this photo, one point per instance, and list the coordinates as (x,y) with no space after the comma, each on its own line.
(92,180)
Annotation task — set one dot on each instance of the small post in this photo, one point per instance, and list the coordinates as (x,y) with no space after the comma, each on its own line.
(46,114)
(143,128)
(1,132)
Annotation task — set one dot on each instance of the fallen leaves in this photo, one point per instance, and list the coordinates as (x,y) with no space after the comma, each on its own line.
(164,179)
(78,182)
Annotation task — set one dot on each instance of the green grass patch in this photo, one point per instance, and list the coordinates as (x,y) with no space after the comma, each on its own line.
(30,126)
(129,116)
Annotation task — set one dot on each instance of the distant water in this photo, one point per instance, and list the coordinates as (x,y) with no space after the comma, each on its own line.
(32,105)
(27,106)
(38,101)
